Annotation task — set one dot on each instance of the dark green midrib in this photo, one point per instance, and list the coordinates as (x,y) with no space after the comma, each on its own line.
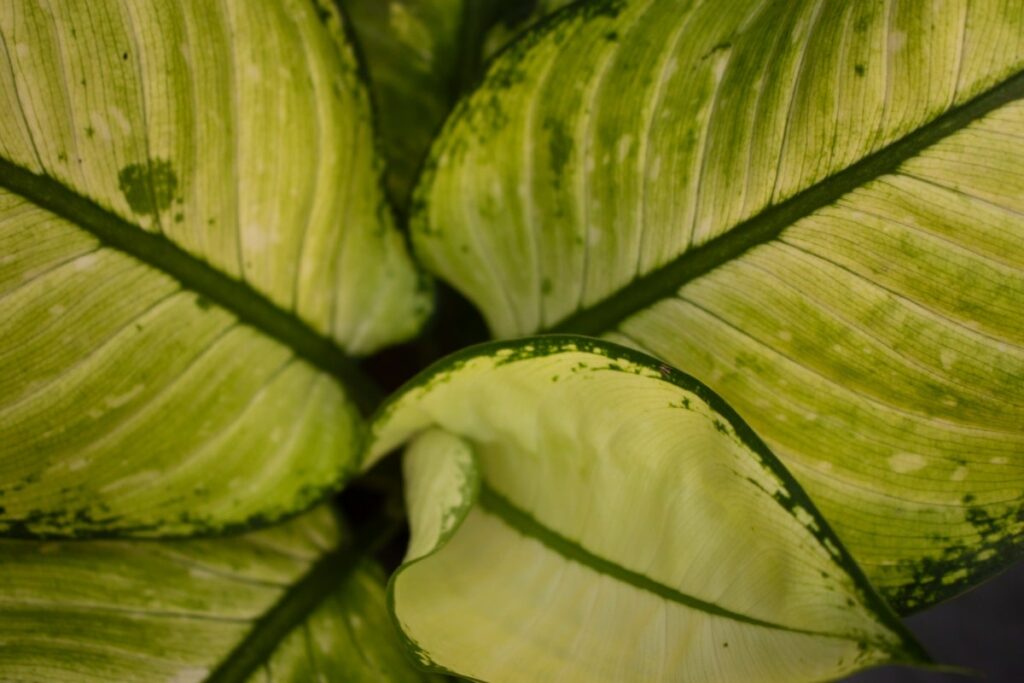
(665,281)
(294,607)
(520,520)
(300,601)
(250,306)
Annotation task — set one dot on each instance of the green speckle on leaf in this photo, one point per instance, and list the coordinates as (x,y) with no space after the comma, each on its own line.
(560,146)
(322,13)
(148,187)
(602,8)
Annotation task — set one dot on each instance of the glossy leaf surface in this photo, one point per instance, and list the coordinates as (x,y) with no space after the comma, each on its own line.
(814,207)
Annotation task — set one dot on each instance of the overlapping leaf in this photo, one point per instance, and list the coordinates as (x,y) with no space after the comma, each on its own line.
(518,17)
(420,56)
(582,512)
(192,238)
(412,51)
(814,207)
(197,610)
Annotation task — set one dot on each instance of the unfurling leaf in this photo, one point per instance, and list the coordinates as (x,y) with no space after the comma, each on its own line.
(582,512)
(813,207)
(192,239)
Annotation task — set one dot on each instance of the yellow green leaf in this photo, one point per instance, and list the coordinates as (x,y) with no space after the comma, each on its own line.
(813,207)
(193,242)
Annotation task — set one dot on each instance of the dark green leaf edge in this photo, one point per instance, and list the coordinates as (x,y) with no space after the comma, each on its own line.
(496,67)
(478,491)
(665,281)
(470,493)
(20,529)
(251,307)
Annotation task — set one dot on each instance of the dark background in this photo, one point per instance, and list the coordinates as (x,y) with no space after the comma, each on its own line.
(982,630)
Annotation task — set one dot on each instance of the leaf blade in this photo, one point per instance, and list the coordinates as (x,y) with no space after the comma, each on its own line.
(667,219)
(568,502)
(174,610)
(411,51)
(195,244)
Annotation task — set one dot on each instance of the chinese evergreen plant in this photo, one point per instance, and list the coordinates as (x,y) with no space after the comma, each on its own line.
(754,272)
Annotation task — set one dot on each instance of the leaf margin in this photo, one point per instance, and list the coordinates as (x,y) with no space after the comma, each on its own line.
(551,344)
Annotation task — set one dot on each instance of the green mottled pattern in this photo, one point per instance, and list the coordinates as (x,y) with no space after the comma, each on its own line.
(252,112)
(172,611)
(233,136)
(128,403)
(581,512)
(804,205)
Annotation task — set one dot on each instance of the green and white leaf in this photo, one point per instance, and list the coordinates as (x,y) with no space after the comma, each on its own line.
(567,494)
(193,237)
(814,207)
(217,610)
